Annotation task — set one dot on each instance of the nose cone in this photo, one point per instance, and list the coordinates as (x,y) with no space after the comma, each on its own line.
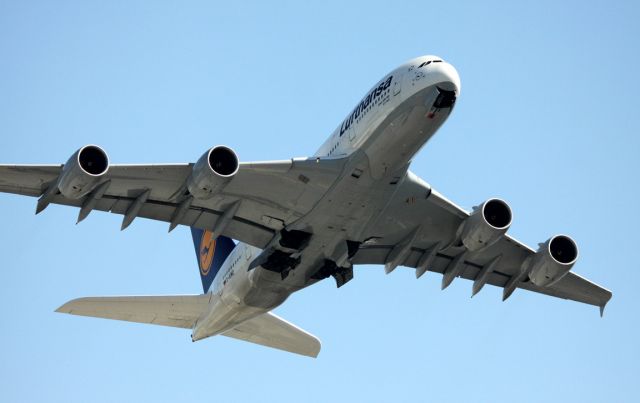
(452,79)
(433,70)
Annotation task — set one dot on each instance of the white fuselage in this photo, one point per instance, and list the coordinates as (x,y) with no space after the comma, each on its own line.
(379,137)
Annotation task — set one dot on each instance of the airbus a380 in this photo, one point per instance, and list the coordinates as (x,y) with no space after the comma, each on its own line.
(302,220)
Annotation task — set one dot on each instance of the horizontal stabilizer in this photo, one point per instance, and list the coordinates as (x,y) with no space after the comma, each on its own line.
(174,310)
(272,331)
(184,310)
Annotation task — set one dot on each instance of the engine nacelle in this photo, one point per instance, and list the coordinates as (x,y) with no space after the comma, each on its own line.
(553,260)
(486,225)
(83,172)
(212,172)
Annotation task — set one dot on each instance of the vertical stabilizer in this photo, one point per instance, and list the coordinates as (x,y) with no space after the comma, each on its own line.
(211,253)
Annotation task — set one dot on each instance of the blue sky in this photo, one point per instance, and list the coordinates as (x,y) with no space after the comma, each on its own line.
(547,120)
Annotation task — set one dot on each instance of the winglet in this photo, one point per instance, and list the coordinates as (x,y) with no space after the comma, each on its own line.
(604,302)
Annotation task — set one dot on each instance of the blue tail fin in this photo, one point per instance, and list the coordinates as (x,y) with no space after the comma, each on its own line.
(211,254)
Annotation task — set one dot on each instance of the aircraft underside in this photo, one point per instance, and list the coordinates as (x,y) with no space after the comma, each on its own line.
(303,220)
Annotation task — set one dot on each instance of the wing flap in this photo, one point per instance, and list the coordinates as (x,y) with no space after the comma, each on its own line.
(272,331)
(175,311)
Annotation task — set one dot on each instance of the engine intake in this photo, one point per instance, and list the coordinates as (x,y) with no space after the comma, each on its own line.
(554,260)
(486,225)
(212,172)
(83,171)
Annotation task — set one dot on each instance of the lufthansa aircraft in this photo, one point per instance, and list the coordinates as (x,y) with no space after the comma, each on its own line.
(302,220)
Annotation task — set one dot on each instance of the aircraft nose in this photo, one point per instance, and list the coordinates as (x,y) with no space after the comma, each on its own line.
(449,76)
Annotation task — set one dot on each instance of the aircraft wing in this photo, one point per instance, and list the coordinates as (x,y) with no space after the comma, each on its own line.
(419,225)
(264,196)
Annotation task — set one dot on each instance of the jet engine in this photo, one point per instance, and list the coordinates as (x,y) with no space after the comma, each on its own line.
(486,225)
(212,171)
(83,171)
(553,260)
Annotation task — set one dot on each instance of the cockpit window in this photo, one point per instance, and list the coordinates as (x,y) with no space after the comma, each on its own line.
(425,64)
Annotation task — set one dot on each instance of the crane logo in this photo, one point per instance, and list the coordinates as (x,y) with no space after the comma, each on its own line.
(207,250)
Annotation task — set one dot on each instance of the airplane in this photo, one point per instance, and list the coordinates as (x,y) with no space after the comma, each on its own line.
(302,220)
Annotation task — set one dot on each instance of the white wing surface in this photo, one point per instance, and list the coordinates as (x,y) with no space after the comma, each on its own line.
(265,196)
(417,208)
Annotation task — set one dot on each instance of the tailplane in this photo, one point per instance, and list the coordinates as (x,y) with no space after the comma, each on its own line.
(183,311)
(211,253)
(272,331)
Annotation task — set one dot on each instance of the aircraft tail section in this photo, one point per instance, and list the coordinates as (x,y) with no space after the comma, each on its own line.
(167,310)
(272,331)
(211,253)
(184,311)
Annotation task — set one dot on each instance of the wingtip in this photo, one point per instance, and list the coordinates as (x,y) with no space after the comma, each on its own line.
(316,350)
(67,306)
(311,351)
(63,309)
(605,302)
